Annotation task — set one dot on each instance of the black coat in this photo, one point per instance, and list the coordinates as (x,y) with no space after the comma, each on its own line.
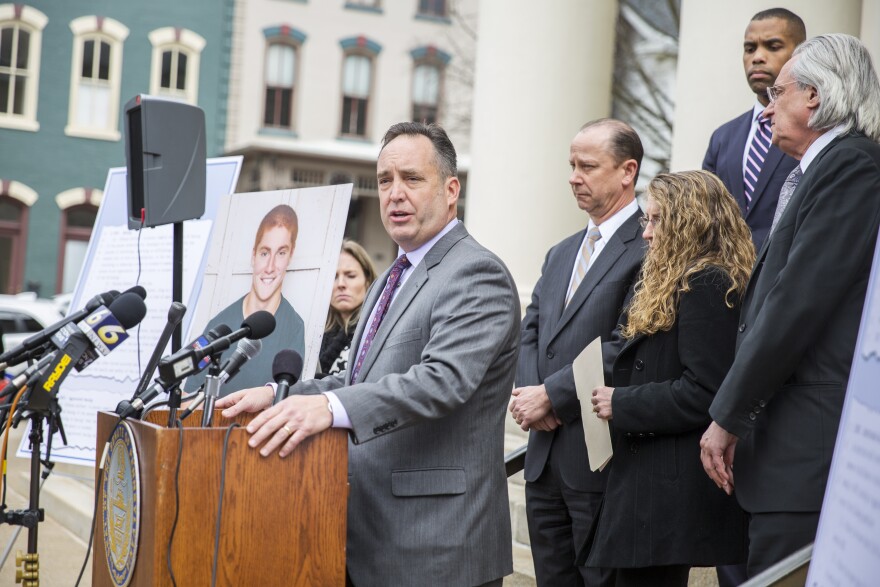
(660,507)
(800,321)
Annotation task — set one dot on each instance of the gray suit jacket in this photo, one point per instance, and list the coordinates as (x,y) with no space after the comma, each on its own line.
(428,503)
(552,336)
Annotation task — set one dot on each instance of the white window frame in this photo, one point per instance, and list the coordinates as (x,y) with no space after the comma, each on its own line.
(114,33)
(33,21)
(183,41)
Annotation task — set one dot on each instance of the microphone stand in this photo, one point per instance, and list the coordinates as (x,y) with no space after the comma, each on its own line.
(212,391)
(31,517)
(174,395)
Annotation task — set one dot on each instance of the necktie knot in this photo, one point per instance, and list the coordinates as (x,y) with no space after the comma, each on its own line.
(399,267)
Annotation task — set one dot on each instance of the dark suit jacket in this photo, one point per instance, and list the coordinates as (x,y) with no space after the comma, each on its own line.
(800,319)
(552,337)
(428,491)
(660,508)
(724,158)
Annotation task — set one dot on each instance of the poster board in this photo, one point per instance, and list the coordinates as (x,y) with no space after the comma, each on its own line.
(308,282)
(118,258)
(847,546)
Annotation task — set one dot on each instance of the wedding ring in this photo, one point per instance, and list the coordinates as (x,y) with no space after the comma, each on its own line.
(287,429)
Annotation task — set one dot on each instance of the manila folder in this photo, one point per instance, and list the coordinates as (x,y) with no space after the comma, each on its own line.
(588,374)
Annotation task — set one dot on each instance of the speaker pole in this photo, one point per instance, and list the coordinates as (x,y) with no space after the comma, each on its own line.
(177,296)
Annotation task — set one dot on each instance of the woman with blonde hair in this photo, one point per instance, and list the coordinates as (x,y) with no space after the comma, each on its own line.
(354,275)
(661,514)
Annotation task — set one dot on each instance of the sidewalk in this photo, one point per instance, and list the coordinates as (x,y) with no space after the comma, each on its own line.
(61,538)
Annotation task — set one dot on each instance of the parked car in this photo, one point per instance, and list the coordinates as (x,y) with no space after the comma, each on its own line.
(23,315)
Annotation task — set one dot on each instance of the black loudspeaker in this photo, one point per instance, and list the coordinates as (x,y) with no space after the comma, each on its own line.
(165,157)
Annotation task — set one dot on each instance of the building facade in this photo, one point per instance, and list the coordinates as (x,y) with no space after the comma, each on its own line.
(314,85)
(67,70)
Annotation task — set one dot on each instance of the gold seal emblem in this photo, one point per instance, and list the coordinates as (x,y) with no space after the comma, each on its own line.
(121,505)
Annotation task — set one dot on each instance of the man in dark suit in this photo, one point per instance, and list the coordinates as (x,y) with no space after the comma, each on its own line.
(431,368)
(779,407)
(579,296)
(739,151)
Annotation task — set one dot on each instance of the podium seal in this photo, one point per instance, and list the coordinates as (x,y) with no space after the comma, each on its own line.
(121,505)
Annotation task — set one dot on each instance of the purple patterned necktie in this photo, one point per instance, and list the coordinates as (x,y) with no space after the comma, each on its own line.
(755,161)
(381,308)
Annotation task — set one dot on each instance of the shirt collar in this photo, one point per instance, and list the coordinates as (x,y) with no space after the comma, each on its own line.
(757,111)
(610,226)
(819,144)
(415,257)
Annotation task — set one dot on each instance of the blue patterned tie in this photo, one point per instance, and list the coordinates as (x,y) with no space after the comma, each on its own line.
(755,160)
(381,308)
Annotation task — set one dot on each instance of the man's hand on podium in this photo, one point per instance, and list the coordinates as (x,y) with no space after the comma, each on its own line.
(244,401)
(285,424)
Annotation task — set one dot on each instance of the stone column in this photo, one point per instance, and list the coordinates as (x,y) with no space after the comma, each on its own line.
(870,29)
(541,73)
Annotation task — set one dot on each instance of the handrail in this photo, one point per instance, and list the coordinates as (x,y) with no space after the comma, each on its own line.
(515,461)
(789,572)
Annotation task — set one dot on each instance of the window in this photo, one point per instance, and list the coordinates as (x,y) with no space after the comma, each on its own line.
(96,71)
(357,84)
(427,87)
(433,8)
(15,202)
(175,66)
(282,53)
(426,93)
(370,5)
(20,40)
(280,73)
(79,208)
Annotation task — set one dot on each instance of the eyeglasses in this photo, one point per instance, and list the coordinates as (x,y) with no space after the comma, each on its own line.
(644,221)
(773,92)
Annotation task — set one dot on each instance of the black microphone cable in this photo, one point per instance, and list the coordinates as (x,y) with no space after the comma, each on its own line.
(229,430)
(176,500)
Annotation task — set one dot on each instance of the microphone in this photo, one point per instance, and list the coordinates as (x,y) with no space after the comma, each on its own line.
(24,350)
(175,315)
(247,349)
(96,335)
(161,384)
(188,361)
(287,366)
(138,290)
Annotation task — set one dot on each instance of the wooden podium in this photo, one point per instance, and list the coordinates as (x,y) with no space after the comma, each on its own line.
(283,520)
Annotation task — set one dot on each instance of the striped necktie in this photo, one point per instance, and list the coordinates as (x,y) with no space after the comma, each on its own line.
(755,160)
(583,261)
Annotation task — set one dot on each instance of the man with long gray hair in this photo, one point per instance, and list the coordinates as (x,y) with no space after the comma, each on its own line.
(779,407)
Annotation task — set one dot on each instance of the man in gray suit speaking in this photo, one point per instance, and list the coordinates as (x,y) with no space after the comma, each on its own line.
(579,297)
(431,369)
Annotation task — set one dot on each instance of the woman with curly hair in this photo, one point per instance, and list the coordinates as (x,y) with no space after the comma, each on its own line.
(661,515)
